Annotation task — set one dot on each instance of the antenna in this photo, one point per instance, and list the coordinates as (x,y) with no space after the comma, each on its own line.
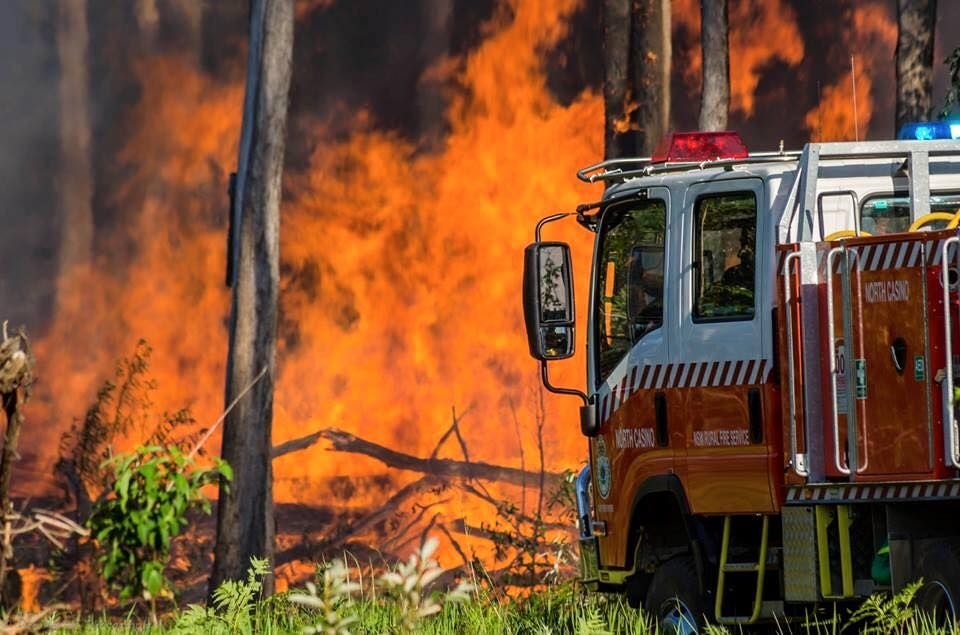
(819,113)
(856,115)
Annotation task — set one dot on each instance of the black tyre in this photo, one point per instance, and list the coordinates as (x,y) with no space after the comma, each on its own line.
(674,599)
(940,570)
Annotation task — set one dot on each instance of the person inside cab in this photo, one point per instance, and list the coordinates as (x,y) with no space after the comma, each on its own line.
(645,298)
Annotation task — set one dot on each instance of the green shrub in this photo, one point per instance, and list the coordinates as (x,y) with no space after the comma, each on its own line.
(152,490)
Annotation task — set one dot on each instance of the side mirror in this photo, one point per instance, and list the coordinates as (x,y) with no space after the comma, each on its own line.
(548,307)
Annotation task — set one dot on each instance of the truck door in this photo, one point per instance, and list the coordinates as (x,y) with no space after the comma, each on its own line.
(629,348)
(880,336)
(721,387)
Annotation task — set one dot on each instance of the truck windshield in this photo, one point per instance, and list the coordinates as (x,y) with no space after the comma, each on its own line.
(629,298)
(891,214)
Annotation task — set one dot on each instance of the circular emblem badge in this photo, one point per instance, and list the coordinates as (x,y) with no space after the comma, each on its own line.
(604,475)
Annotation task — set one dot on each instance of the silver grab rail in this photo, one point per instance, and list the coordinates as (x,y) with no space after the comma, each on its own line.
(831,348)
(949,425)
(798,461)
(861,422)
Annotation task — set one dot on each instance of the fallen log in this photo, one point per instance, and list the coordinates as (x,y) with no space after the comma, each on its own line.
(342,441)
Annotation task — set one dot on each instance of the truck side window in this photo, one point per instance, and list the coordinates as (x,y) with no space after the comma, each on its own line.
(890,214)
(630,278)
(725,237)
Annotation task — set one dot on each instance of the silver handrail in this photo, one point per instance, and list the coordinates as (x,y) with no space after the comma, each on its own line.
(856,209)
(798,461)
(833,362)
(866,447)
(949,425)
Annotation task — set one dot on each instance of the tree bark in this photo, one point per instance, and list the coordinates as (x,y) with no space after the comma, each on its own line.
(619,140)
(915,19)
(651,53)
(76,173)
(715,93)
(147,15)
(15,378)
(245,524)
(188,15)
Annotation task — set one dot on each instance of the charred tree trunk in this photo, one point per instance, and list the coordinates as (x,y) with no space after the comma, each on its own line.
(618,140)
(147,15)
(915,19)
(245,525)
(651,54)
(16,375)
(189,18)
(76,184)
(715,93)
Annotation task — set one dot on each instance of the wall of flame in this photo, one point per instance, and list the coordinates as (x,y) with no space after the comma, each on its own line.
(401,261)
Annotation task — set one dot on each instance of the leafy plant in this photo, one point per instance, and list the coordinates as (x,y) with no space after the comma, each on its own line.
(153,488)
(333,600)
(591,622)
(123,408)
(881,614)
(234,602)
(408,583)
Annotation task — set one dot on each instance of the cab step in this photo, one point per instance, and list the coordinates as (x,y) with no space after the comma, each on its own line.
(758,568)
(769,609)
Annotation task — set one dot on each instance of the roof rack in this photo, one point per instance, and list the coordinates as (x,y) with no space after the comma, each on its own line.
(915,155)
(616,169)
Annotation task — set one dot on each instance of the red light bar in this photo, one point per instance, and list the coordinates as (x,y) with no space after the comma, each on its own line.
(693,147)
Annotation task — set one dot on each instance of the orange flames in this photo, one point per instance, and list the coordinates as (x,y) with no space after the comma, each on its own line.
(870,44)
(400,267)
(400,270)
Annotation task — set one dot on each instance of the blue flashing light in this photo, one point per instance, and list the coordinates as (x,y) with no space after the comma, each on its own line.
(930,130)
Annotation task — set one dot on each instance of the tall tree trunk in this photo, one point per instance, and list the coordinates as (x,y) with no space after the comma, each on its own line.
(76,183)
(147,15)
(16,375)
(715,93)
(651,59)
(188,16)
(245,525)
(618,139)
(915,19)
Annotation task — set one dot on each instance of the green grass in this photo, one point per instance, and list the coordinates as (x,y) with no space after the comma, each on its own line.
(403,600)
(558,610)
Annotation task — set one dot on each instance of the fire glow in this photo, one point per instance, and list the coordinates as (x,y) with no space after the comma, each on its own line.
(400,274)
(400,267)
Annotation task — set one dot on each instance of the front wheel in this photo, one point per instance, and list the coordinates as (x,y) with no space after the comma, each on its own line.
(939,595)
(674,599)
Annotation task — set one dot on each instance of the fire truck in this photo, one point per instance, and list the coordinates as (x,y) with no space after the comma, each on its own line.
(772,351)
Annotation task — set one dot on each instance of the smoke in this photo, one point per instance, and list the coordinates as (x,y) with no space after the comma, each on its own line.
(28,163)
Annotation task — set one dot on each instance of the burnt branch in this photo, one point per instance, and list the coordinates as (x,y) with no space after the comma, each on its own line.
(513,518)
(389,508)
(294,445)
(342,441)
(453,429)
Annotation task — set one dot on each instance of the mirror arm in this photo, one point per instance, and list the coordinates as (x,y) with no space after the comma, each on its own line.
(549,219)
(560,391)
